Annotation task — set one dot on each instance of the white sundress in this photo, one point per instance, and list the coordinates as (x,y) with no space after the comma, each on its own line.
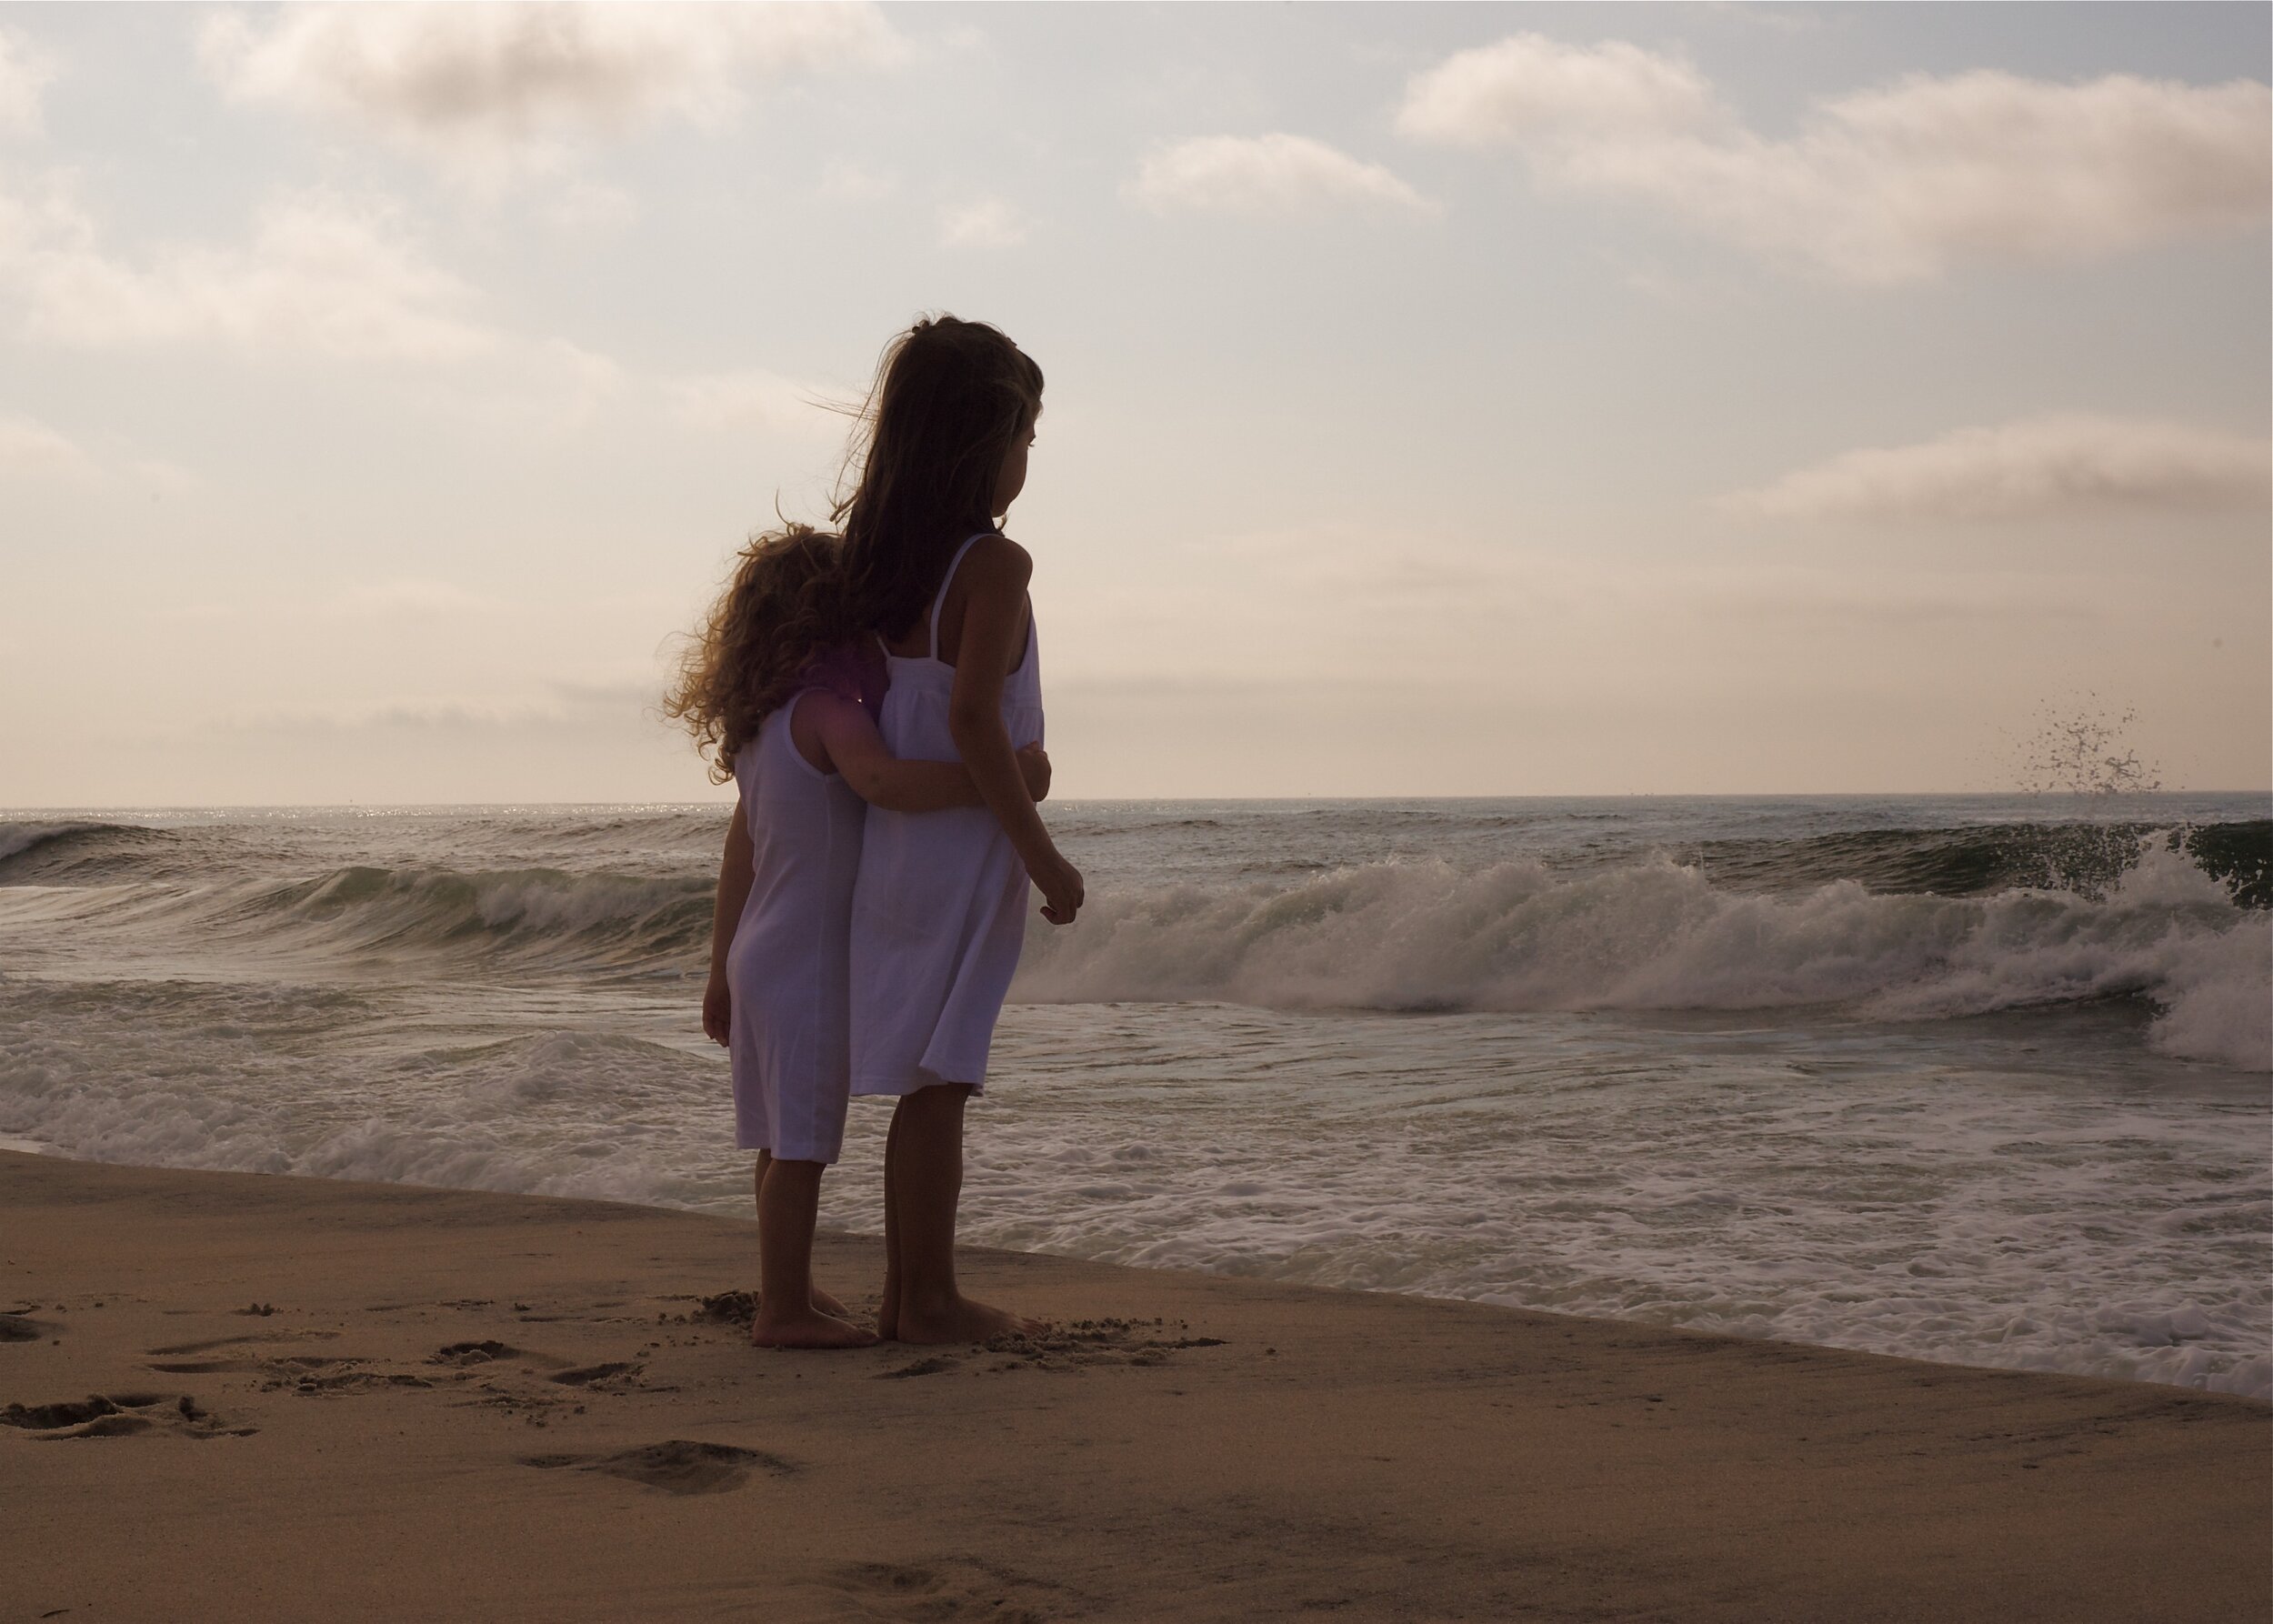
(939,913)
(787,968)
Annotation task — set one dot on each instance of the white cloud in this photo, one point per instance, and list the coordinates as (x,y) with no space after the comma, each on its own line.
(492,88)
(1272,176)
(1888,186)
(729,401)
(2050,466)
(24,75)
(1527,87)
(29,446)
(987,223)
(320,274)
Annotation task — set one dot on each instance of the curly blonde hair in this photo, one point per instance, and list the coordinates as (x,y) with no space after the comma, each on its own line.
(783,606)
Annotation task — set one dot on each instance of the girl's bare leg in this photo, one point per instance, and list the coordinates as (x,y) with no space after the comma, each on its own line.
(924,1184)
(822,1300)
(788,1200)
(888,1311)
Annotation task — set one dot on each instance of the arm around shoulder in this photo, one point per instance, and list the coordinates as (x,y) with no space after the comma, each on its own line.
(856,752)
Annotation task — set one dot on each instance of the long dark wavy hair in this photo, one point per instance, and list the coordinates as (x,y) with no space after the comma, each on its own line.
(950,398)
(783,603)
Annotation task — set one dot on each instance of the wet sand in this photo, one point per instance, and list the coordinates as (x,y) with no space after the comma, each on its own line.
(235,1397)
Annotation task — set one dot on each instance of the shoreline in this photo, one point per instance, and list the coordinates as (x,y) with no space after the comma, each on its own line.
(387,1401)
(855,1238)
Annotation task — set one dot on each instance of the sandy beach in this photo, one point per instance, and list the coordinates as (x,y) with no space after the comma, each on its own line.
(243,1397)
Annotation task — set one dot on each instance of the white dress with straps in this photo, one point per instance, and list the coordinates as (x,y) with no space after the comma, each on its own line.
(939,910)
(787,965)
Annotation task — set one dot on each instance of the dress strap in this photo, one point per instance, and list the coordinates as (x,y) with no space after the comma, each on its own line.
(947,581)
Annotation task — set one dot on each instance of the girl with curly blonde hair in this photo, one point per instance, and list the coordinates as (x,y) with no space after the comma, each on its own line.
(781,701)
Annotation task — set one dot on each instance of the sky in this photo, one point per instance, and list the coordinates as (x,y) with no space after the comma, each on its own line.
(1460,400)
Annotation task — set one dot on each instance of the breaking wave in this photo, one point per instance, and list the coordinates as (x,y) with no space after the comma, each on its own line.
(595,919)
(80,852)
(2083,857)
(1880,923)
(540,917)
(1425,936)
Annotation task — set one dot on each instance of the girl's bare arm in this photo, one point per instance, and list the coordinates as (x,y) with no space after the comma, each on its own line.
(735,877)
(849,744)
(993,639)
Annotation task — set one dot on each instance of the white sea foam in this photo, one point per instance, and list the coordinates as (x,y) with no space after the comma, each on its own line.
(1899,1194)
(1520,936)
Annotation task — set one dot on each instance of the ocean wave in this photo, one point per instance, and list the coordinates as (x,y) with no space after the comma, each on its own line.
(568,920)
(2079,856)
(599,920)
(1516,937)
(1880,923)
(75,852)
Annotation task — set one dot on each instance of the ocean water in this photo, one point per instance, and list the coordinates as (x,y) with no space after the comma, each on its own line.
(1973,1080)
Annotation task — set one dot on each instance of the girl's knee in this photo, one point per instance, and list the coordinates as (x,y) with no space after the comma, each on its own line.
(937,1096)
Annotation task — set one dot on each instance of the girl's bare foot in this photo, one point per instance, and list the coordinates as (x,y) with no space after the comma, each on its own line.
(825,1301)
(958,1319)
(809,1330)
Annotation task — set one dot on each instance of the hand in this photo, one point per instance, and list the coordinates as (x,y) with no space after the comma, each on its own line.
(1034,766)
(1062,895)
(717,1009)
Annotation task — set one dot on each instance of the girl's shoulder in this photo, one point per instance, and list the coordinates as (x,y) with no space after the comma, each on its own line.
(996,561)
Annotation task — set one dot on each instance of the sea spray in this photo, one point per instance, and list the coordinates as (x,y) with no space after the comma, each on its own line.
(2079,765)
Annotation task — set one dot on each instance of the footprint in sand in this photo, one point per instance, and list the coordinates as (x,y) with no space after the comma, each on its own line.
(933,1365)
(473,1356)
(676,1466)
(264,1354)
(950,1588)
(315,1378)
(242,1339)
(46,1417)
(1074,1346)
(301,1372)
(586,1375)
(18,1328)
(120,1415)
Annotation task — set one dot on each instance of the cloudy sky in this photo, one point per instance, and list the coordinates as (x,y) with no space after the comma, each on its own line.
(1460,400)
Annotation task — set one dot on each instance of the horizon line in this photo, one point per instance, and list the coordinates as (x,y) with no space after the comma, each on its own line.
(2099,797)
